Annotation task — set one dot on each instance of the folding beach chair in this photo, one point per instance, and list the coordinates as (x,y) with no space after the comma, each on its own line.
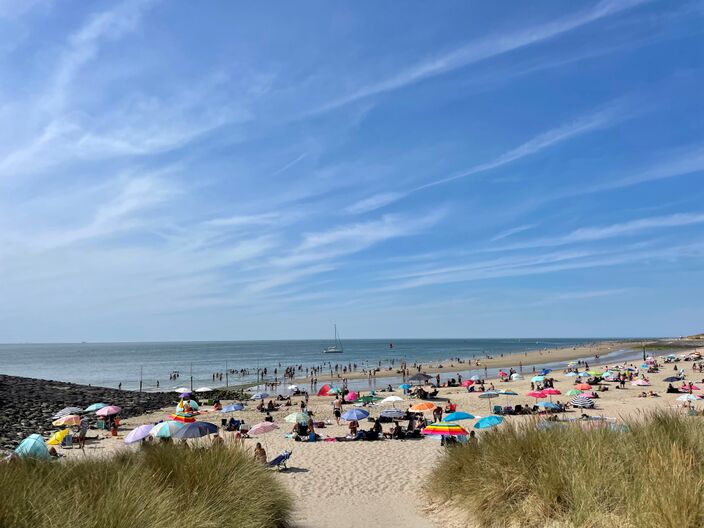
(280,461)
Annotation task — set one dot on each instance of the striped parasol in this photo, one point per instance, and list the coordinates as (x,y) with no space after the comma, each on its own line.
(582,402)
(66,411)
(445,429)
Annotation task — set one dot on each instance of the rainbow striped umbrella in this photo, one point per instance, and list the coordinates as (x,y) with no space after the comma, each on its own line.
(184,417)
(445,429)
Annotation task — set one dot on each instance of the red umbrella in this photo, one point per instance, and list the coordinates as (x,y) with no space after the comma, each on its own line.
(583,386)
(550,391)
(537,394)
(467,383)
(324,390)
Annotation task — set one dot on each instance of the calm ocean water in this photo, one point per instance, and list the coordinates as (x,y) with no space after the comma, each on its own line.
(108,364)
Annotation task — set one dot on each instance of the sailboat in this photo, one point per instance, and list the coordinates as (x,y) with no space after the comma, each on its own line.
(336,348)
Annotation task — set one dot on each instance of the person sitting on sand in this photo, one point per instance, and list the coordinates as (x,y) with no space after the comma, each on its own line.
(217,406)
(353,427)
(450,407)
(260,406)
(259,453)
(268,417)
(270,406)
(653,394)
(643,395)
(671,389)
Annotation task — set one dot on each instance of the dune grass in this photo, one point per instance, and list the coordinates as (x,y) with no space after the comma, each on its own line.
(159,487)
(649,476)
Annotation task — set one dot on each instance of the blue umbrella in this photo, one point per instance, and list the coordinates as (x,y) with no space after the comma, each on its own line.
(33,447)
(672,378)
(195,430)
(584,375)
(355,414)
(259,396)
(95,407)
(138,433)
(488,421)
(489,394)
(538,379)
(456,416)
(549,405)
(545,372)
(404,386)
(233,407)
(571,374)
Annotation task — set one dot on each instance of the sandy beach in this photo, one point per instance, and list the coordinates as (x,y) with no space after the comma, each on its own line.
(348,483)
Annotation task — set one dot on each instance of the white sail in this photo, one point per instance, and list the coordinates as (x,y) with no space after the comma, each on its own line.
(336,348)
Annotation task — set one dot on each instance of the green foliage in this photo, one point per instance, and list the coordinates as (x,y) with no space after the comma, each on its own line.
(649,476)
(162,486)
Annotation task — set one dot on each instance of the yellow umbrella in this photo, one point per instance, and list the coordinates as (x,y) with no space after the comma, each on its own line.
(57,437)
(71,419)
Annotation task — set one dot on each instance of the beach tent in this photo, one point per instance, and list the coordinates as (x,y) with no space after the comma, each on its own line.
(233,407)
(191,403)
(516,376)
(324,390)
(420,377)
(393,414)
(33,447)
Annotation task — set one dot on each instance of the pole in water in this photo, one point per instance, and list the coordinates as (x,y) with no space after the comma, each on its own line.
(191,376)
(141,371)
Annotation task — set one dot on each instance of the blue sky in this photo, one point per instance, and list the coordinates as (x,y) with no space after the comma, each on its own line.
(180,170)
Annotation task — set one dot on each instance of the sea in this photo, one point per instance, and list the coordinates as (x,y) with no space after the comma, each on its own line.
(151,366)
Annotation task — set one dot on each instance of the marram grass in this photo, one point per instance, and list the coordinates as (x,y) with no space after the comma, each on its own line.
(160,487)
(518,476)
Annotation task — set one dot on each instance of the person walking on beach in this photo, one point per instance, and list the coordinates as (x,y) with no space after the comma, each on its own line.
(337,409)
(83,431)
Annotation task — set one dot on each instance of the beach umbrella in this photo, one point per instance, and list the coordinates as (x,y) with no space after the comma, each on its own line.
(585,375)
(33,447)
(423,407)
(263,428)
(324,390)
(185,395)
(233,407)
(66,411)
(672,378)
(457,416)
(94,407)
(297,417)
(351,396)
(138,433)
(259,396)
(184,417)
(516,376)
(687,398)
(392,399)
(572,374)
(574,392)
(545,371)
(182,389)
(444,429)
(355,414)
(109,410)
(507,392)
(551,391)
(165,429)
(640,383)
(71,419)
(334,390)
(404,386)
(204,389)
(58,437)
(488,421)
(195,430)
(583,386)
(368,399)
(467,383)
(538,379)
(595,373)
(687,388)
(420,377)
(191,403)
(393,414)
(582,402)
(475,378)
(549,405)
(536,394)
(489,395)
(293,387)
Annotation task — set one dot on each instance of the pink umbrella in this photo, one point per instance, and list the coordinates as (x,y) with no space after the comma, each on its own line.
(263,428)
(467,383)
(550,391)
(351,396)
(502,374)
(109,410)
(588,394)
(537,394)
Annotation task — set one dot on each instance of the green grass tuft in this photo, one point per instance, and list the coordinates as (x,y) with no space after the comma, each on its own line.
(650,476)
(159,487)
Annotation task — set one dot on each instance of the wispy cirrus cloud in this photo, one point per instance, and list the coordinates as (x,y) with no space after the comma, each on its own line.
(598,119)
(483,49)
(513,231)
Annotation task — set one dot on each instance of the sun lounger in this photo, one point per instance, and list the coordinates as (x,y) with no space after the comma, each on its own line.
(280,461)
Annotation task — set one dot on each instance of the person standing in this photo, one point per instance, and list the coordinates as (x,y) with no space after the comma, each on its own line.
(83,431)
(337,409)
